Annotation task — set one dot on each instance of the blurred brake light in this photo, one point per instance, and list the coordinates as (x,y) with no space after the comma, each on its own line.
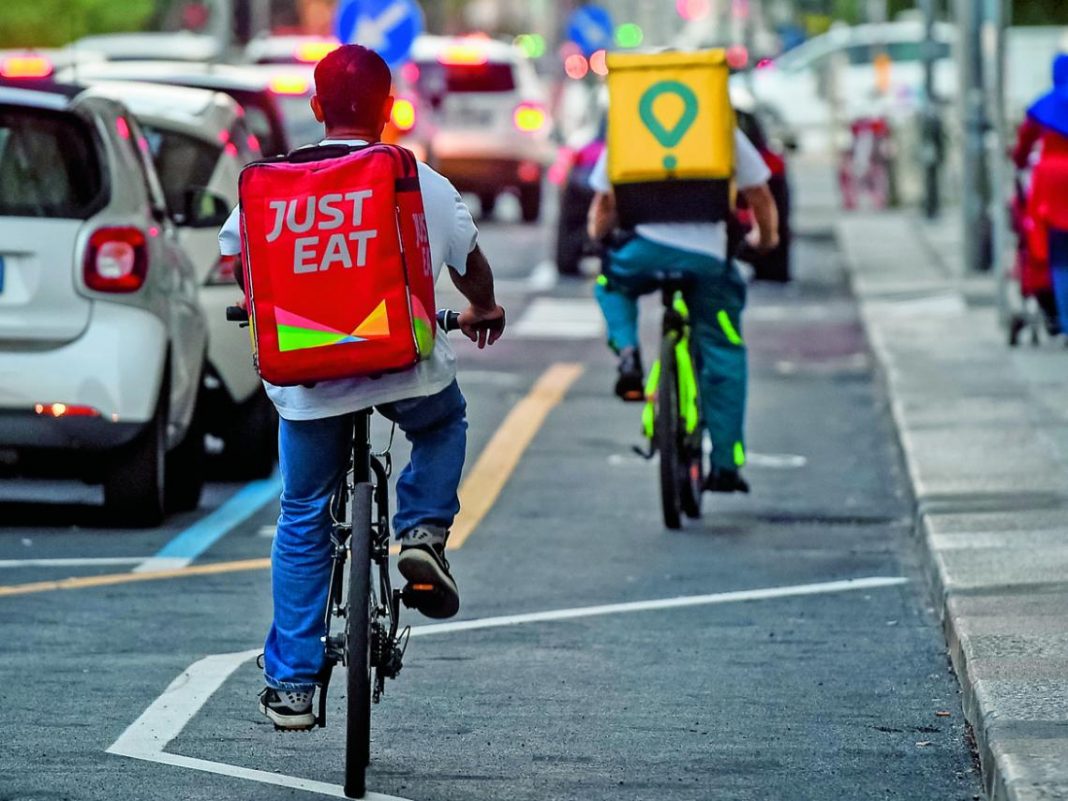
(529,117)
(223,273)
(289,85)
(116,260)
(65,410)
(25,67)
(403,114)
(464,54)
(314,52)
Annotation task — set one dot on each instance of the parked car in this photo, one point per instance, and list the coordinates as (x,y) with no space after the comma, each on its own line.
(796,86)
(171,45)
(275,98)
(490,118)
(199,141)
(102,340)
(263,105)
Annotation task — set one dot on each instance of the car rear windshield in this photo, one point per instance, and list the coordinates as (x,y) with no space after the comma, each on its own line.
(49,165)
(181,161)
(437,79)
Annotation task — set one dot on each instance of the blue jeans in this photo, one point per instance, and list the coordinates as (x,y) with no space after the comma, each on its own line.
(1058,265)
(313,456)
(715,300)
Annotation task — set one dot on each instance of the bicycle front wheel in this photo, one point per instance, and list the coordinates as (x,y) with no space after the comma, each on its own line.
(358,646)
(666,432)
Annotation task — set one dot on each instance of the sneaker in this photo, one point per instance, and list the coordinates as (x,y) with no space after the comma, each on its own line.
(431,588)
(630,386)
(726,481)
(290,710)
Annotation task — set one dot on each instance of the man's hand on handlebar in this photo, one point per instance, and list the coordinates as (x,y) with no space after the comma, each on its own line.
(482,326)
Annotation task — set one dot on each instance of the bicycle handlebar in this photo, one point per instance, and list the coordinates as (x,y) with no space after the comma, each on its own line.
(448,320)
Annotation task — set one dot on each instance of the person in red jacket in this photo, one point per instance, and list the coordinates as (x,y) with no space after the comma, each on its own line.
(1046,126)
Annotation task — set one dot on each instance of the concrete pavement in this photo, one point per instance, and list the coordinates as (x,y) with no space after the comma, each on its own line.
(984,431)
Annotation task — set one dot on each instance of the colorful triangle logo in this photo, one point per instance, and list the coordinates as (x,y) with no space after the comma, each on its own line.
(375,325)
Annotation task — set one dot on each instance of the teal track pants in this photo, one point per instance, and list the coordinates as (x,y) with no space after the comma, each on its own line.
(715,300)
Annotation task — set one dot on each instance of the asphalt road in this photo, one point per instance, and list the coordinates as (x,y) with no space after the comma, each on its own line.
(792,692)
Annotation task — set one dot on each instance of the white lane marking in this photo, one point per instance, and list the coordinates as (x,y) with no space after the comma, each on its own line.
(167,716)
(769,461)
(736,596)
(543,277)
(560,318)
(88,561)
(267,531)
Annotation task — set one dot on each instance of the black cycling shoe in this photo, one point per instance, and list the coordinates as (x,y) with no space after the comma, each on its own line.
(630,386)
(726,481)
(289,710)
(431,588)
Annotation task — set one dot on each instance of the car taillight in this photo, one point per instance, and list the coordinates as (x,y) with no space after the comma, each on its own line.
(403,114)
(25,67)
(529,117)
(314,52)
(289,85)
(65,410)
(116,260)
(223,273)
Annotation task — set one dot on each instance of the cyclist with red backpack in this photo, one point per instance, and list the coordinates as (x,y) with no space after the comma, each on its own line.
(352,98)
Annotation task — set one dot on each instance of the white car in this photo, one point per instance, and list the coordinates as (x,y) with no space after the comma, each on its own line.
(102,339)
(796,86)
(199,142)
(491,121)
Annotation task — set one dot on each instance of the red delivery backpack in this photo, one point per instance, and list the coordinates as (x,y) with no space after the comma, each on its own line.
(337,266)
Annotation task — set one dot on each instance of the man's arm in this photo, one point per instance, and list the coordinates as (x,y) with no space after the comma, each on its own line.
(483,321)
(602,218)
(762,204)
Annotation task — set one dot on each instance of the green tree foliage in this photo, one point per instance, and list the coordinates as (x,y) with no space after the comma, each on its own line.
(46,23)
(1039,12)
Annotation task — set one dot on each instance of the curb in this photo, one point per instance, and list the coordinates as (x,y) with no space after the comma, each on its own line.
(1005,626)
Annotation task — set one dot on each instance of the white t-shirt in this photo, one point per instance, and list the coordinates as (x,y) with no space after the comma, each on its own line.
(708,238)
(453,236)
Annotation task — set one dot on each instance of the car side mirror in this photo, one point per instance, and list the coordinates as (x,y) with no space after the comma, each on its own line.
(203,209)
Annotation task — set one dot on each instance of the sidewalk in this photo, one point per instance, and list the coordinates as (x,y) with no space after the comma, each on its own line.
(984,430)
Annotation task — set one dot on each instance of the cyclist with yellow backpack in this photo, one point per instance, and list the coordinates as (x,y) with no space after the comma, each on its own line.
(664,189)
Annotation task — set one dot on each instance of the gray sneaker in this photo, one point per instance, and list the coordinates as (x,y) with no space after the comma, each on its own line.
(431,588)
(290,710)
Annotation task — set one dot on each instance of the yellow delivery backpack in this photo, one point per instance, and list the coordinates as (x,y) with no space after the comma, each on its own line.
(670,136)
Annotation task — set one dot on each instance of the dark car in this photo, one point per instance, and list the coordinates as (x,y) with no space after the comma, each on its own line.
(572,243)
(573,172)
(774,265)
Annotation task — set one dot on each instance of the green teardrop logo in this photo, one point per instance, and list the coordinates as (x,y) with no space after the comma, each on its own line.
(668,137)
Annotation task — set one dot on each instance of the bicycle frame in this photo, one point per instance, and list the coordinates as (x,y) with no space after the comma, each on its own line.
(676,324)
(387,649)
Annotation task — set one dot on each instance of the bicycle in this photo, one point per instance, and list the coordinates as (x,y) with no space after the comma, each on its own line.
(671,419)
(371,646)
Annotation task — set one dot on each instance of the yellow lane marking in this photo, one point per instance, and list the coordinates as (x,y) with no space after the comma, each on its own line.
(499,458)
(82,582)
(478,493)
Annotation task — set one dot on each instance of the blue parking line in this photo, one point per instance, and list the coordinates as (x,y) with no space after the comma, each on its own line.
(200,536)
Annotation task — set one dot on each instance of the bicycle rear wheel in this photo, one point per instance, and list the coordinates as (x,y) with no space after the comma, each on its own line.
(666,431)
(358,645)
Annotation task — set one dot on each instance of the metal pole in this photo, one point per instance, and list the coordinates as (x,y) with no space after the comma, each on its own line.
(931,147)
(978,247)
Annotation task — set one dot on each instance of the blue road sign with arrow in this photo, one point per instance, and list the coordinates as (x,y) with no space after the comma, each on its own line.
(591,28)
(386,26)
